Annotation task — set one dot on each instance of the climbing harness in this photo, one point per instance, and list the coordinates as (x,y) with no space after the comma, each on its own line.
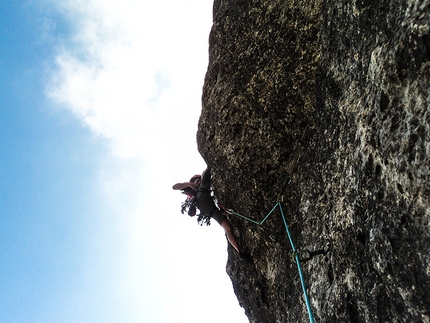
(296,252)
(190,206)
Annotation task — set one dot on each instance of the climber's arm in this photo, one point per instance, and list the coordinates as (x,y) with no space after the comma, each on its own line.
(206,179)
(181,186)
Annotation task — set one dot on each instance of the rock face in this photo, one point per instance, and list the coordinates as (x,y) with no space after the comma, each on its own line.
(323,105)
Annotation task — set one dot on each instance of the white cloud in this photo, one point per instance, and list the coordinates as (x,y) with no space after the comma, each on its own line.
(132,63)
(133,73)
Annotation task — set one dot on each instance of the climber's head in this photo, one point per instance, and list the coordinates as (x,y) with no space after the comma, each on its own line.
(196,179)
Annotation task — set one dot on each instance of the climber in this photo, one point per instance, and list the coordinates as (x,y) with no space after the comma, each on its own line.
(199,188)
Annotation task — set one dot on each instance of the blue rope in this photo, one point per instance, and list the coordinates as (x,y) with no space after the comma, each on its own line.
(295,252)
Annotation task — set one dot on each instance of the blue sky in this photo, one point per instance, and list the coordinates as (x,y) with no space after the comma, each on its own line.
(99,103)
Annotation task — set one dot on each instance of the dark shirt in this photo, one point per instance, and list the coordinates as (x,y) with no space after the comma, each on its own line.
(205,201)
